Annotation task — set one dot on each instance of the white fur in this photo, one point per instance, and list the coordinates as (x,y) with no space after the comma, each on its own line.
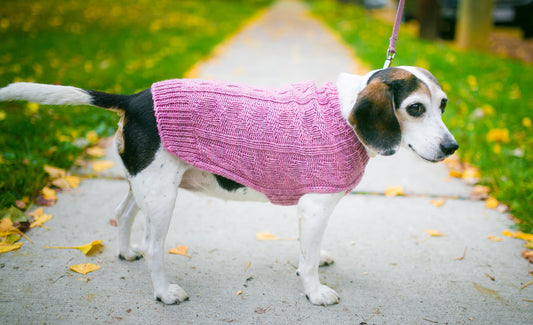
(45,94)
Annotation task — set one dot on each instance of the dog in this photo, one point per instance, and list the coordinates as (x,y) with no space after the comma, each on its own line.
(373,114)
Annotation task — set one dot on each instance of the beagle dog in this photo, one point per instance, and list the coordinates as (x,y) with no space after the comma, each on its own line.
(384,109)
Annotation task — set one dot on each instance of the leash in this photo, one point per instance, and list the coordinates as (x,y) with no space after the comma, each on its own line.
(391,51)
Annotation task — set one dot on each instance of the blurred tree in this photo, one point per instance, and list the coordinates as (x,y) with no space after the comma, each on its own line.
(474,24)
(427,14)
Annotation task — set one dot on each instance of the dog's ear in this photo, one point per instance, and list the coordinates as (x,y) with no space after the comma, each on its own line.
(373,115)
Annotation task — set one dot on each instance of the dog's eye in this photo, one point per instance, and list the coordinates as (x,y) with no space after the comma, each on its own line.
(416,110)
(443,104)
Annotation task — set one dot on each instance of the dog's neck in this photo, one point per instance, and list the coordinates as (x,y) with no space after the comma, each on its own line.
(349,86)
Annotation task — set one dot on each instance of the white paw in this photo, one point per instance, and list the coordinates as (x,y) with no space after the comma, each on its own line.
(325,259)
(173,294)
(131,254)
(323,295)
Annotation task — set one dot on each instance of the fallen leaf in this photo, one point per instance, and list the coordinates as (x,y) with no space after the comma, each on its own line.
(5,247)
(113,222)
(394,191)
(265,235)
(528,255)
(495,238)
(434,233)
(101,165)
(73,181)
(491,203)
(92,137)
(49,194)
(84,268)
(40,220)
(238,293)
(61,183)
(471,175)
(54,172)
(518,234)
(95,151)
(437,202)
(7,228)
(87,249)
(179,250)
(479,192)
(247,266)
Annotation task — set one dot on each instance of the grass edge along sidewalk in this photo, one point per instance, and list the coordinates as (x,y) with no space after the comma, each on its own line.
(491,100)
(114,46)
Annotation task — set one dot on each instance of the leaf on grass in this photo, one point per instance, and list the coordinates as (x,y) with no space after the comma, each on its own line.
(6,247)
(495,238)
(101,165)
(49,194)
(491,203)
(95,151)
(394,191)
(90,249)
(437,202)
(84,268)
(179,250)
(54,172)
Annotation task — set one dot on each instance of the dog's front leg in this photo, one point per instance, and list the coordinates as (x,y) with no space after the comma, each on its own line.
(155,190)
(313,214)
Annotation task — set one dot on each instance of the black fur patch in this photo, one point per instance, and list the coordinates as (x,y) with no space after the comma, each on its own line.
(228,184)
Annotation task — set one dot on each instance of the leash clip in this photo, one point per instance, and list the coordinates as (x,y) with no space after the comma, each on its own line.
(390,57)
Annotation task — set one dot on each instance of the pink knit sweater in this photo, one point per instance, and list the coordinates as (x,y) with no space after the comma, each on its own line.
(282,142)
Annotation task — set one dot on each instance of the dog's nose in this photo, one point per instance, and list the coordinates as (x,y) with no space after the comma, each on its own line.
(449,147)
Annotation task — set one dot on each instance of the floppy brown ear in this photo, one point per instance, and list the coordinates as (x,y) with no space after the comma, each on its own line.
(374,120)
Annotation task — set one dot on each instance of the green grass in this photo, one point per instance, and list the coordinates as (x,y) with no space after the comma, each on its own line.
(486,92)
(117,46)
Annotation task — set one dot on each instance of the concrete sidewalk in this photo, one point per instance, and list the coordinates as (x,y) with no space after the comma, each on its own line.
(386,269)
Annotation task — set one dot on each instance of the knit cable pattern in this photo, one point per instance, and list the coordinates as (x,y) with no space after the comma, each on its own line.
(283,142)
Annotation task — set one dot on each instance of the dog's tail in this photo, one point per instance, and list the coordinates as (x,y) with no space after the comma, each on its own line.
(62,95)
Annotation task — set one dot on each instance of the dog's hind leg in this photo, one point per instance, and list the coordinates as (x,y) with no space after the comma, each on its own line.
(313,214)
(126,212)
(155,190)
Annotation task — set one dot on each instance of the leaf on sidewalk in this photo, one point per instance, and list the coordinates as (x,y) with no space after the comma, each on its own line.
(95,151)
(394,191)
(518,234)
(437,202)
(8,247)
(49,194)
(495,238)
(7,228)
(40,218)
(101,165)
(179,250)
(491,203)
(434,233)
(54,172)
(89,249)
(479,192)
(528,255)
(84,268)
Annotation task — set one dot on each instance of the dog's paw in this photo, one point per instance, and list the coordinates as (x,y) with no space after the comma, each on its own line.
(130,254)
(173,294)
(325,259)
(323,295)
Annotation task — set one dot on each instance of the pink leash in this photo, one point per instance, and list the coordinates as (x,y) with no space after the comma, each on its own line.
(392,40)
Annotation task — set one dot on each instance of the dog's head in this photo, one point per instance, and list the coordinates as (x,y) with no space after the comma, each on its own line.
(403,106)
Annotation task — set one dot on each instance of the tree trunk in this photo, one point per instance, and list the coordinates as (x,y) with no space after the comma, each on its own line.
(427,14)
(474,24)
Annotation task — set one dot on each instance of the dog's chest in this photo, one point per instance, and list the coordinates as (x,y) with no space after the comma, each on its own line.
(282,142)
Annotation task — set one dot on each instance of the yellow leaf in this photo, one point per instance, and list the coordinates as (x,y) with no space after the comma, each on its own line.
(4,248)
(40,220)
(494,238)
(394,191)
(101,165)
(49,194)
(265,236)
(61,183)
(518,234)
(73,181)
(6,229)
(95,151)
(491,203)
(437,202)
(87,249)
(54,172)
(455,173)
(84,268)
(471,172)
(433,233)
(179,250)
(92,137)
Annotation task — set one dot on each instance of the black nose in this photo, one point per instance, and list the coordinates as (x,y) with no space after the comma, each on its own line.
(449,147)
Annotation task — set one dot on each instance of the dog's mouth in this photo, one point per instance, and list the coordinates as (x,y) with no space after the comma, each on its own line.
(432,160)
